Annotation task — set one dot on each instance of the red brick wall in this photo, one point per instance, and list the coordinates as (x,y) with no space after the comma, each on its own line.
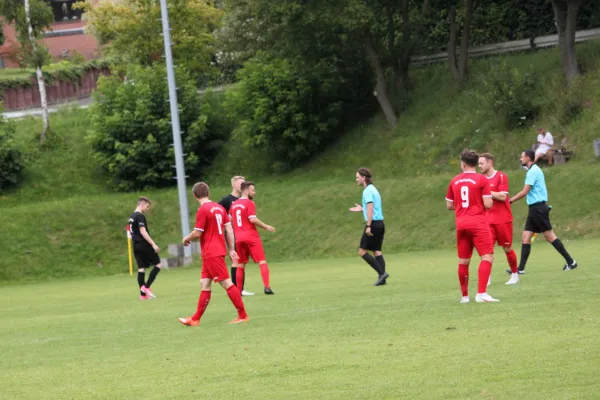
(59,91)
(85,44)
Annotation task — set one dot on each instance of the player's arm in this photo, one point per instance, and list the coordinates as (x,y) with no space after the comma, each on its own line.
(500,196)
(229,237)
(369,218)
(356,208)
(195,234)
(450,198)
(148,239)
(449,204)
(258,222)
(521,194)
(488,202)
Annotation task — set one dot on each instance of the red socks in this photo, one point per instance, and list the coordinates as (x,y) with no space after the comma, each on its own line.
(236,299)
(485,269)
(264,272)
(239,278)
(202,304)
(463,278)
(511,256)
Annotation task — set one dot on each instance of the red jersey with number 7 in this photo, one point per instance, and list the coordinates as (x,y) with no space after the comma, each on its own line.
(242,211)
(211,219)
(467,191)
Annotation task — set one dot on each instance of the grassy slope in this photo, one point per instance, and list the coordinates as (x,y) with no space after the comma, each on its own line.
(64,220)
(317,338)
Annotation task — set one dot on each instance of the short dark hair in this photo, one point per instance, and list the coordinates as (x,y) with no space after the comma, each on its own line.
(200,190)
(487,156)
(530,153)
(366,173)
(144,199)
(469,157)
(246,185)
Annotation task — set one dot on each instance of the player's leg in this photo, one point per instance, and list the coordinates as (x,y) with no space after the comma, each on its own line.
(551,237)
(531,227)
(239,279)
(142,263)
(363,252)
(203,300)
(494,230)
(141,277)
(504,236)
(482,241)
(155,259)
(257,252)
(464,245)
(236,298)
(378,231)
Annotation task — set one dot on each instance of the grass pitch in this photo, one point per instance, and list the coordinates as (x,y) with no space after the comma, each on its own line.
(326,334)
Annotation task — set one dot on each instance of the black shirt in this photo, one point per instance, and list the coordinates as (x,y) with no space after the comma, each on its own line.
(227,200)
(136,221)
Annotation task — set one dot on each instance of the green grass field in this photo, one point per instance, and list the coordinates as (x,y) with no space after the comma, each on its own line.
(326,334)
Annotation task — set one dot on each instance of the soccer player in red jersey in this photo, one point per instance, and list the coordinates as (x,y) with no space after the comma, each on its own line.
(500,215)
(469,195)
(247,238)
(212,222)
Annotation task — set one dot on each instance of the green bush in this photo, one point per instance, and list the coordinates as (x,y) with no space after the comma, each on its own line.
(284,108)
(510,92)
(10,157)
(131,128)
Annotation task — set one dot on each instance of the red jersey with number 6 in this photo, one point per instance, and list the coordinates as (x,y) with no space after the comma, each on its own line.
(211,219)
(500,212)
(467,191)
(242,211)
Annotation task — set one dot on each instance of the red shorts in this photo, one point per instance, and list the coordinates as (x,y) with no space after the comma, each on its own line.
(502,234)
(252,248)
(479,238)
(214,268)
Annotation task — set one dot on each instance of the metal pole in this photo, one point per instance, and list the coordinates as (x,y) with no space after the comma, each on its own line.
(183,204)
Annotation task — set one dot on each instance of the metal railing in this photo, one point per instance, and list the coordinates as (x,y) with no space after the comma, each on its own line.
(507,47)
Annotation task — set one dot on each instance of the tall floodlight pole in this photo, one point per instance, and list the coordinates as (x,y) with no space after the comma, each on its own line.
(183,204)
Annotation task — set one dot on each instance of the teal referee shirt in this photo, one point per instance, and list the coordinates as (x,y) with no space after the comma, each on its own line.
(371,195)
(538,192)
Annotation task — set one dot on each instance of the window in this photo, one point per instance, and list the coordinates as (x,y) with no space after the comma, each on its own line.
(63,10)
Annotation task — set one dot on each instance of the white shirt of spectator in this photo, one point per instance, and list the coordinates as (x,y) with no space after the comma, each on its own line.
(546,142)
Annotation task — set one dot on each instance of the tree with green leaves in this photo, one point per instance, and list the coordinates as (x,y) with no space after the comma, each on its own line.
(131,30)
(31,18)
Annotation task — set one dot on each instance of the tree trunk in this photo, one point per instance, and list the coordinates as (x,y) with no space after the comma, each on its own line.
(452,44)
(381,91)
(565,13)
(39,74)
(464,42)
(572,68)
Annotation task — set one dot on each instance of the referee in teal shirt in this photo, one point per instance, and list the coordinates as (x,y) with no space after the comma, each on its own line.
(538,218)
(372,238)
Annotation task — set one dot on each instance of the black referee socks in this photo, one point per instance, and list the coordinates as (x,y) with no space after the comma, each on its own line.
(563,252)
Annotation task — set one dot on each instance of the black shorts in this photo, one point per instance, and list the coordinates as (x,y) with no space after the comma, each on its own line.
(538,219)
(375,241)
(144,254)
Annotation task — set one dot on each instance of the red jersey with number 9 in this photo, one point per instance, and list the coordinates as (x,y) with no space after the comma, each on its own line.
(211,219)
(467,191)
(242,211)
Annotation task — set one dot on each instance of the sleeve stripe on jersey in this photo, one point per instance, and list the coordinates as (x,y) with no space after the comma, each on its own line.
(198,229)
(369,202)
(251,216)
(228,223)
(504,192)
(451,201)
(486,195)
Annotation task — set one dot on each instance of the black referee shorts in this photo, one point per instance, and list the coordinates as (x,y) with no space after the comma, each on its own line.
(375,241)
(538,219)
(144,254)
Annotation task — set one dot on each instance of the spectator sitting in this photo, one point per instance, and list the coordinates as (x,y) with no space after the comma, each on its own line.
(545,141)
